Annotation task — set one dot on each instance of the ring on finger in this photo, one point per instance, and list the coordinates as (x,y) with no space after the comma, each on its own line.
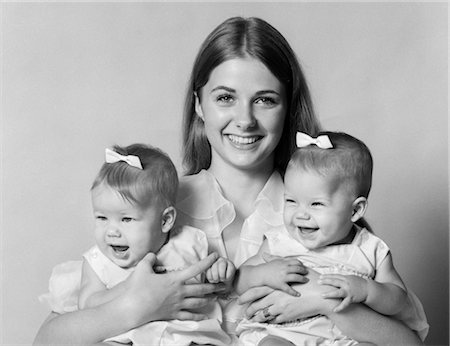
(266,312)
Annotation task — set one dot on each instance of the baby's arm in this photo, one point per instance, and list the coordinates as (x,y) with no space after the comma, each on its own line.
(277,273)
(92,291)
(385,294)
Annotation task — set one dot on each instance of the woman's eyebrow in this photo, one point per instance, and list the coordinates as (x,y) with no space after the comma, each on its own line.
(222,87)
(231,90)
(269,91)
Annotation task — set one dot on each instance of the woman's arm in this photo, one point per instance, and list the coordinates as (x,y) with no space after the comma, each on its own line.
(358,321)
(147,297)
(365,325)
(92,290)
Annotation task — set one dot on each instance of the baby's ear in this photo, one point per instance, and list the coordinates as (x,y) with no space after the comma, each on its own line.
(359,208)
(168,219)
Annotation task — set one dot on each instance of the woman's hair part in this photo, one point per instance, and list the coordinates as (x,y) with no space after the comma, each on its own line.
(239,37)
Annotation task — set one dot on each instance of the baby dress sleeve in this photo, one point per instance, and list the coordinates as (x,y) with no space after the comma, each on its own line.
(63,287)
(413,314)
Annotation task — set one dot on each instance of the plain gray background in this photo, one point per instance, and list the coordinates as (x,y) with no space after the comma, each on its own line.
(79,77)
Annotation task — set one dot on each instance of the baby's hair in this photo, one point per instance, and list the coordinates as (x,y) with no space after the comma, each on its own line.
(349,160)
(157,182)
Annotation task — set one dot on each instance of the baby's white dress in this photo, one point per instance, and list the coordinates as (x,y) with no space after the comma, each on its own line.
(186,246)
(362,258)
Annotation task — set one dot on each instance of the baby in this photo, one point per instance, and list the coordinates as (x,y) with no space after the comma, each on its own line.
(133,200)
(327,184)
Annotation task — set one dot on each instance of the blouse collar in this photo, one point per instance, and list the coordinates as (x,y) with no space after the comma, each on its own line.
(204,198)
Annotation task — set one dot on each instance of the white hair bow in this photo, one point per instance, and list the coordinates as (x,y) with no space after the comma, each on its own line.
(303,140)
(111,157)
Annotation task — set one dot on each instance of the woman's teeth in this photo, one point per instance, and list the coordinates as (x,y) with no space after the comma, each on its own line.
(242,140)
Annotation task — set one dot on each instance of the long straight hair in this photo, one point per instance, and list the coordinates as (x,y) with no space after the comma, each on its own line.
(239,37)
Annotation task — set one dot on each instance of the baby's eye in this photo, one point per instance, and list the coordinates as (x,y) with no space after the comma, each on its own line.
(317,204)
(127,219)
(289,200)
(100,218)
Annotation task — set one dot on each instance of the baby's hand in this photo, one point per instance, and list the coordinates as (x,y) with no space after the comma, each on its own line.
(278,272)
(222,270)
(350,287)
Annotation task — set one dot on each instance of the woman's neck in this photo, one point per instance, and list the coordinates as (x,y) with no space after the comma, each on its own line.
(241,187)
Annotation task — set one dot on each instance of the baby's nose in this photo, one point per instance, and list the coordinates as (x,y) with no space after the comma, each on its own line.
(113,231)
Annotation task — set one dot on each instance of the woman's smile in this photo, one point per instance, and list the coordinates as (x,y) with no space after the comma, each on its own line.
(244,142)
(243,106)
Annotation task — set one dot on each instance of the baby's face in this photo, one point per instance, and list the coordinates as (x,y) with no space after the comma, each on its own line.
(317,210)
(124,232)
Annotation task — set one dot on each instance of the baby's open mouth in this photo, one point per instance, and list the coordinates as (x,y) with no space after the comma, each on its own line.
(119,248)
(307,229)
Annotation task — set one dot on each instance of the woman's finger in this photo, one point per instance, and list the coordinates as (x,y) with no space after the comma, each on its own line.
(338,293)
(201,290)
(267,257)
(149,261)
(297,278)
(263,315)
(191,316)
(343,305)
(289,290)
(336,282)
(260,304)
(254,293)
(194,303)
(197,268)
(298,268)
(332,276)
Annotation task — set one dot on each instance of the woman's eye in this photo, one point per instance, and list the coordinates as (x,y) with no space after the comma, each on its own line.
(289,200)
(225,98)
(317,204)
(100,218)
(267,101)
(127,219)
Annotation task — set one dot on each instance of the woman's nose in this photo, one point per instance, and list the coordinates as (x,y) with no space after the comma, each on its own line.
(245,117)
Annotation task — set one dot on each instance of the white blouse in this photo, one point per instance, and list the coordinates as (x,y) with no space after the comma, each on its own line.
(201,204)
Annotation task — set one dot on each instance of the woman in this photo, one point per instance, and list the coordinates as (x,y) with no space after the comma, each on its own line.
(246,100)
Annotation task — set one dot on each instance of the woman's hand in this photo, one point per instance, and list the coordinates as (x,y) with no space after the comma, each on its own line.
(151,297)
(147,297)
(267,304)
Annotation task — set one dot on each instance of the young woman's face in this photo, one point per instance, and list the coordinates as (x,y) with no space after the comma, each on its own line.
(123,232)
(317,210)
(243,106)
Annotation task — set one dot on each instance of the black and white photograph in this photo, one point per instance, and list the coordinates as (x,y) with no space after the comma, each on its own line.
(224,173)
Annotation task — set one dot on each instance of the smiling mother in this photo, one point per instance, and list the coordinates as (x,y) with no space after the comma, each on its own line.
(246,100)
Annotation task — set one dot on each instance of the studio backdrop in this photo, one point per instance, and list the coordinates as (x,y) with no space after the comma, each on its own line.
(79,77)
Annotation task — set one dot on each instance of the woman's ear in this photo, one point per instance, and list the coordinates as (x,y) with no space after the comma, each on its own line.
(359,208)
(168,219)
(198,106)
